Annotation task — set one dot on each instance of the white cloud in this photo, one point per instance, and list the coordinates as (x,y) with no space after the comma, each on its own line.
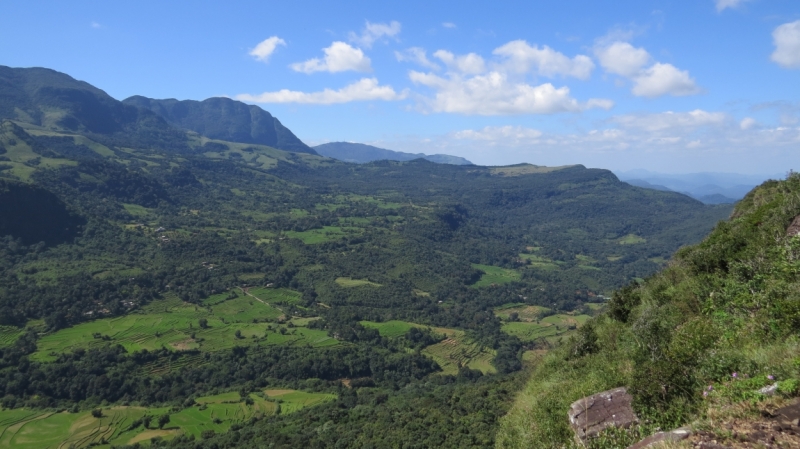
(622,58)
(375,31)
(494,94)
(450,25)
(365,89)
(339,57)
(416,55)
(522,57)
(723,4)
(517,134)
(787,45)
(747,123)
(95,25)
(664,79)
(671,121)
(266,48)
(471,64)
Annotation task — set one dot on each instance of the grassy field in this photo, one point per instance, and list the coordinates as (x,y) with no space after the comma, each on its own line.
(23,429)
(548,328)
(275,295)
(175,325)
(326,234)
(393,328)
(524,312)
(494,275)
(631,239)
(539,262)
(348,283)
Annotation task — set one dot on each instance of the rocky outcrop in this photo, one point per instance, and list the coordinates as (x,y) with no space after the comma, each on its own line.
(794,228)
(590,415)
(663,437)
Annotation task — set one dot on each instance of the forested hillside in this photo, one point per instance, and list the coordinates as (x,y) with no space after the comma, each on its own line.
(197,291)
(694,343)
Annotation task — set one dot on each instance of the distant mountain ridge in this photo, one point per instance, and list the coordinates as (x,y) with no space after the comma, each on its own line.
(710,188)
(224,119)
(361,153)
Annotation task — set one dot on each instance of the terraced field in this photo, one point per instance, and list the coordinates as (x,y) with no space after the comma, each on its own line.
(27,429)
(524,312)
(548,328)
(457,351)
(8,335)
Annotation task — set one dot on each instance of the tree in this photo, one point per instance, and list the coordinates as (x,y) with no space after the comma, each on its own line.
(163,420)
(97,413)
(203,323)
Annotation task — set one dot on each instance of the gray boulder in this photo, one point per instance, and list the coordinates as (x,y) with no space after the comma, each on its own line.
(590,415)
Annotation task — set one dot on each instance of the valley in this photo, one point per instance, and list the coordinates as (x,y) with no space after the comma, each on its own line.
(252,290)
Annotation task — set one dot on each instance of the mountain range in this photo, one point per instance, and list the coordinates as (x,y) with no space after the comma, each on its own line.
(361,153)
(710,188)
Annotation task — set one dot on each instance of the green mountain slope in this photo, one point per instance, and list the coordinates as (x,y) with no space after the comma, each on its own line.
(692,341)
(224,119)
(56,101)
(361,153)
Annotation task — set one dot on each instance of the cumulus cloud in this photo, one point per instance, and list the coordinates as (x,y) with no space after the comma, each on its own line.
(723,4)
(416,55)
(622,58)
(339,57)
(664,79)
(266,48)
(365,89)
(521,57)
(375,31)
(494,94)
(787,45)
(471,64)
(450,25)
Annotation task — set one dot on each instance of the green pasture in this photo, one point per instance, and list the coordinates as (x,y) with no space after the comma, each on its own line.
(349,283)
(524,312)
(540,262)
(326,234)
(136,210)
(631,239)
(175,325)
(393,328)
(495,275)
(275,295)
(36,429)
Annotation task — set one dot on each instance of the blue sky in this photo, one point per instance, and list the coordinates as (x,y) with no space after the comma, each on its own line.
(669,86)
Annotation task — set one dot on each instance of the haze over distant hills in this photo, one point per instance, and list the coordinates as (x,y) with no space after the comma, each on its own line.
(361,154)
(710,188)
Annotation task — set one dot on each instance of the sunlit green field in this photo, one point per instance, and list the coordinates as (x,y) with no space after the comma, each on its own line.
(175,325)
(495,275)
(22,428)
